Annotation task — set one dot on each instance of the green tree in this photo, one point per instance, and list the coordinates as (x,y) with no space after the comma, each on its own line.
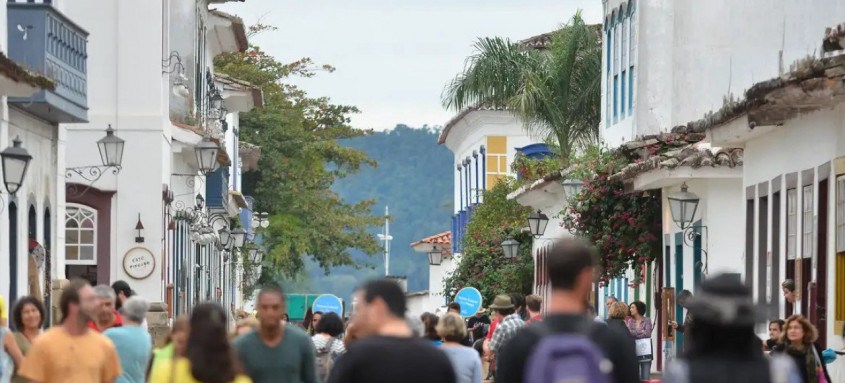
(301,159)
(555,93)
(483,264)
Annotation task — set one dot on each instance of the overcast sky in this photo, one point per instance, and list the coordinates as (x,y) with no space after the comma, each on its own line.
(393,57)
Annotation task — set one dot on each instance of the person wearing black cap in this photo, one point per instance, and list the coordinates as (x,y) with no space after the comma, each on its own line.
(724,347)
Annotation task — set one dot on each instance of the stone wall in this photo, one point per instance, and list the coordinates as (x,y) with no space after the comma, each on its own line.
(157,323)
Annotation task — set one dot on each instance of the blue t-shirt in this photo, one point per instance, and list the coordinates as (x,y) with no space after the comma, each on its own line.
(134,347)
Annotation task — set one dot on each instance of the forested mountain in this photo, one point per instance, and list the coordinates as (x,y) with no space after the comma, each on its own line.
(414,178)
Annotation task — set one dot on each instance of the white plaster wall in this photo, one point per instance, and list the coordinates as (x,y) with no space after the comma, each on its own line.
(124,89)
(436,274)
(471,133)
(418,304)
(39,189)
(691,55)
(800,144)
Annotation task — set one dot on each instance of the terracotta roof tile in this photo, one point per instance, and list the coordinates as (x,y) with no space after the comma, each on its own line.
(444,238)
(678,150)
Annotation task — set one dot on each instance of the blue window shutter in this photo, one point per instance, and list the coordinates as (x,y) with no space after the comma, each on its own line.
(630,89)
(615,97)
(622,96)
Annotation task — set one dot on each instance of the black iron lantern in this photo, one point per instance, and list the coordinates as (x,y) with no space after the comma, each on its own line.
(111,148)
(206,153)
(683,206)
(537,222)
(15,164)
(511,248)
(238,237)
(435,256)
(225,237)
(255,256)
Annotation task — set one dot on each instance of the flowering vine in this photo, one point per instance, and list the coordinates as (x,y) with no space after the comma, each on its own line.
(623,226)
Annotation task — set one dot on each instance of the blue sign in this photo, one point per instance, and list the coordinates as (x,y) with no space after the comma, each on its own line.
(470,300)
(328,303)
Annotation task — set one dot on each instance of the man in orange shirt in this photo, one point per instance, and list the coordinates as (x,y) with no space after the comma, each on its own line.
(71,352)
(107,316)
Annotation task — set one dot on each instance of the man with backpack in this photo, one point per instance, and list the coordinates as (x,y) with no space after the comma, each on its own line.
(567,345)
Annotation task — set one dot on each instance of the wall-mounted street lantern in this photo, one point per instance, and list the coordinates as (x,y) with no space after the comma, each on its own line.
(15,164)
(139,229)
(206,153)
(256,255)
(683,205)
(111,156)
(225,237)
(511,248)
(111,149)
(537,222)
(435,256)
(238,237)
(572,187)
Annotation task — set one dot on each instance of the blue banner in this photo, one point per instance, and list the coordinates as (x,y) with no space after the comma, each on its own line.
(470,300)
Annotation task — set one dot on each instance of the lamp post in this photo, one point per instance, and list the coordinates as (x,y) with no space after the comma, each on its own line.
(511,248)
(435,256)
(15,164)
(537,223)
(683,206)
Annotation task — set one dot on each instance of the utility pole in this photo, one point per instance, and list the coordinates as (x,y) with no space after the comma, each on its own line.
(386,238)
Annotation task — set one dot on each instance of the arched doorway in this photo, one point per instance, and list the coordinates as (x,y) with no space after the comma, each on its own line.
(13,252)
(81,242)
(48,261)
(34,256)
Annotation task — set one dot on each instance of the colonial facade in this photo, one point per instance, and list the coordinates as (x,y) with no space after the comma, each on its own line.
(763,90)
(484,142)
(161,216)
(43,65)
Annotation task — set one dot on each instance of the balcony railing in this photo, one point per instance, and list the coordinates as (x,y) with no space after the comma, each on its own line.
(46,42)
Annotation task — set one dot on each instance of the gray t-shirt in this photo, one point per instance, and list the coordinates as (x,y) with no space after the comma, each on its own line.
(466,363)
(292,360)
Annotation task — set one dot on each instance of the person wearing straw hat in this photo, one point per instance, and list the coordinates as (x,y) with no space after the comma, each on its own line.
(510,322)
(724,347)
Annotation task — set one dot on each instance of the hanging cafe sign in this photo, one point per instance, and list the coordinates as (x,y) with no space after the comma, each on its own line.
(139,263)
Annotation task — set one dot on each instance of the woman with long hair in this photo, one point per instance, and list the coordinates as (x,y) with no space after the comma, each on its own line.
(640,328)
(208,358)
(798,342)
(28,317)
(10,354)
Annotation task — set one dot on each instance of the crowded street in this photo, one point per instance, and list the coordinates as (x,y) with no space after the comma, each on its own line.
(475,191)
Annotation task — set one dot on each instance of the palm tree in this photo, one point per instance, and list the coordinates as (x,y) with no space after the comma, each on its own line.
(556,93)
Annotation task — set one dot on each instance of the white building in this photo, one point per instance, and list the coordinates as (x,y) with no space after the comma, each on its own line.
(155,85)
(438,249)
(484,142)
(668,63)
(31,109)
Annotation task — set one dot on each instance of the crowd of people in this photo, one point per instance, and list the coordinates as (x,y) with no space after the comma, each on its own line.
(103,338)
